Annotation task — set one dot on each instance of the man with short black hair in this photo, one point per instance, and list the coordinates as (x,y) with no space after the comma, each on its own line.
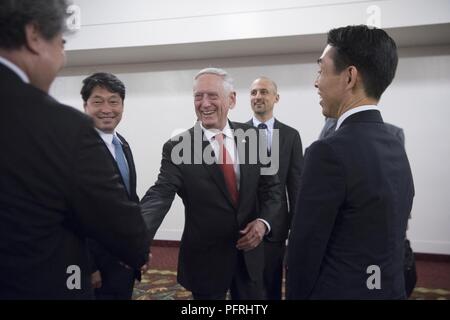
(103,99)
(356,192)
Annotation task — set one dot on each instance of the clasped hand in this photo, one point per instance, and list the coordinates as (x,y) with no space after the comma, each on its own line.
(252,235)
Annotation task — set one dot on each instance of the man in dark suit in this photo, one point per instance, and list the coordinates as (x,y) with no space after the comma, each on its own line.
(103,97)
(58,184)
(263,97)
(409,261)
(356,193)
(211,168)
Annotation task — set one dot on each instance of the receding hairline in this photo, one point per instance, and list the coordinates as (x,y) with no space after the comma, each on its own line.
(227,81)
(273,83)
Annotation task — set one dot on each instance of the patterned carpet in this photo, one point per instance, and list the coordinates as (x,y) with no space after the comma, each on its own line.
(162,285)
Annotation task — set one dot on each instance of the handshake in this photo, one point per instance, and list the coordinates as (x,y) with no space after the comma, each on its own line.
(96,277)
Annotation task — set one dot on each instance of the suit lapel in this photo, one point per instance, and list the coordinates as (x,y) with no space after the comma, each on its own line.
(213,169)
(242,144)
(132,170)
(281,142)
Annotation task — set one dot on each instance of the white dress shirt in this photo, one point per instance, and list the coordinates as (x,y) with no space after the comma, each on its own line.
(108,138)
(230,145)
(22,75)
(348,113)
(269,123)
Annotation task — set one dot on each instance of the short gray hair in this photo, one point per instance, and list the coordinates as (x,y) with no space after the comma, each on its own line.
(49,16)
(227,80)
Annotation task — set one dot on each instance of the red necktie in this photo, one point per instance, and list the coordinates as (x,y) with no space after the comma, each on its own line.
(227,167)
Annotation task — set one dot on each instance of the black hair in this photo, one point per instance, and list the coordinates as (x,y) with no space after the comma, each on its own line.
(48,15)
(370,50)
(104,80)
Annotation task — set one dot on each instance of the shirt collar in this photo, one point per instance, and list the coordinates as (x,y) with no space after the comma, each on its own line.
(210,133)
(269,123)
(19,72)
(348,113)
(107,137)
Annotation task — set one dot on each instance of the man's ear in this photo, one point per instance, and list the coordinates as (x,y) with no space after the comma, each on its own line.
(277,98)
(33,38)
(352,75)
(232,97)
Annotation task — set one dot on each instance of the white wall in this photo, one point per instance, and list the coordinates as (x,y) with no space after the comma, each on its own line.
(159,101)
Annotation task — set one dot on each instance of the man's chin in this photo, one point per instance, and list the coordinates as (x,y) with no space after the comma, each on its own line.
(106,129)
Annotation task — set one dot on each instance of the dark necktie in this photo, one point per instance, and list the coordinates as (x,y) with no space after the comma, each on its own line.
(227,167)
(121,163)
(263,126)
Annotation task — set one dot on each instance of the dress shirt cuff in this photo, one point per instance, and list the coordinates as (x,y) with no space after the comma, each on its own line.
(267,225)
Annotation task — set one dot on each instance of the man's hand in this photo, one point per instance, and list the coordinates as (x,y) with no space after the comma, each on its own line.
(96,280)
(146,266)
(252,235)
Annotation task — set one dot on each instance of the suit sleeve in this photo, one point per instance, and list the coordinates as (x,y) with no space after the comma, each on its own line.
(295,171)
(322,191)
(269,196)
(401,136)
(100,203)
(158,199)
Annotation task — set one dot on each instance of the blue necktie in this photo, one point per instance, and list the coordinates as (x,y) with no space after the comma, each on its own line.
(121,162)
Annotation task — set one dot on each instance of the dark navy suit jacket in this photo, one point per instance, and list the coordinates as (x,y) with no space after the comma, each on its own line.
(355,198)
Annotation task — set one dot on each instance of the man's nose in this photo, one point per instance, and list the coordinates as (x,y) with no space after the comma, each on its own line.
(105,108)
(205,101)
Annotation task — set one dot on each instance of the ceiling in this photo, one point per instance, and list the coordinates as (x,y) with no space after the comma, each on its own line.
(429,35)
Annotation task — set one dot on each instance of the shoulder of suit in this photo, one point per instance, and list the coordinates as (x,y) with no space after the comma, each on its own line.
(187,134)
(52,109)
(121,137)
(393,129)
(286,128)
(322,145)
(241,125)
(250,122)
(70,113)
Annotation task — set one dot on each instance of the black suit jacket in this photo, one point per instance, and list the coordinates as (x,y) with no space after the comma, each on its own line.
(133,180)
(330,128)
(355,197)
(58,185)
(289,172)
(207,257)
(102,259)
